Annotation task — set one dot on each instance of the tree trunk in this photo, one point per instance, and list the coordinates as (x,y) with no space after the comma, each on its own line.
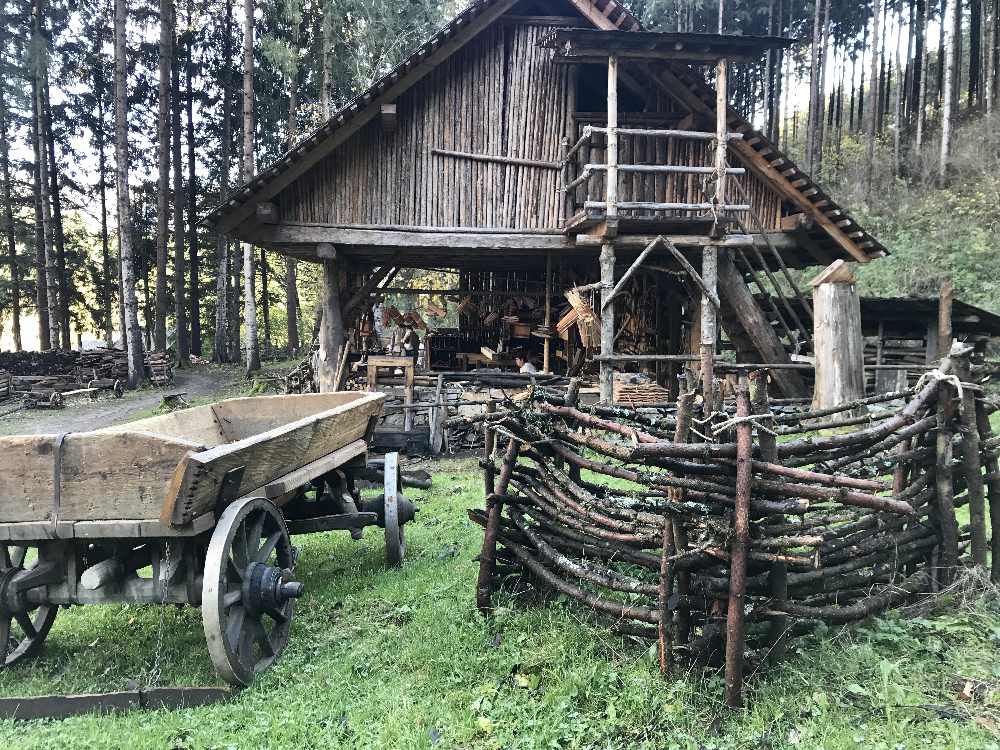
(51,267)
(942,36)
(65,285)
(326,61)
(922,91)
(815,94)
(220,341)
(133,335)
(919,68)
(292,304)
(872,121)
(194,264)
(180,272)
(8,225)
(291,264)
(163,166)
(975,51)
(41,277)
(265,302)
(249,301)
(946,94)
(108,281)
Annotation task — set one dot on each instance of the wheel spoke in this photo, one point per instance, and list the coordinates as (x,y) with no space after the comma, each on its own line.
(24,620)
(244,651)
(241,546)
(234,627)
(17,559)
(256,531)
(261,636)
(231,598)
(278,615)
(233,569)
(265,551)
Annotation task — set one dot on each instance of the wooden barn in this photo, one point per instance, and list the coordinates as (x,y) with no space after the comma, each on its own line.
(553,152)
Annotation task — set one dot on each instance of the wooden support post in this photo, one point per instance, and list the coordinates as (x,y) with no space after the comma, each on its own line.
(611,192)
(710,275)
(607,259)
(837,338)
(331,329)
(488,554)
(664,303)
(408,396)
(944,486)
(607,372)
(777,577)
(489,445)
(972,463)
(721,134)
(549,331)
(438,416)
(993,489)
(945,298)
(682,431)
(738,551)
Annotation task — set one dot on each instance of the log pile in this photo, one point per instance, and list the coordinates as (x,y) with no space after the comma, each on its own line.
(159,368)
(6,385)
(723,535)
(57,369)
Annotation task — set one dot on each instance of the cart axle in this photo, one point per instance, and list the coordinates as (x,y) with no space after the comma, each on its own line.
(266,588)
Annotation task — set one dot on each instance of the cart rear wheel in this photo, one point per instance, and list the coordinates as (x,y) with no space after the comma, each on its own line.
(395,541)
(22,635)
(247,595)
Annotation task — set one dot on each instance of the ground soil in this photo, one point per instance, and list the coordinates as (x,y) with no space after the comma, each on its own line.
(81,414)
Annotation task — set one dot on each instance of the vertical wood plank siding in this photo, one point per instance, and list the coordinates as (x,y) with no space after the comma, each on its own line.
(498,95)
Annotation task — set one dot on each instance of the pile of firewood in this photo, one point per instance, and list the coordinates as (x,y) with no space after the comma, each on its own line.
(722,535)
(6,385)
(159,368)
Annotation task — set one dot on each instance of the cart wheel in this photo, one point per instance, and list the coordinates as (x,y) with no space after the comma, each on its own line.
(395,543)
(247,593)
(118,389)
(21,635)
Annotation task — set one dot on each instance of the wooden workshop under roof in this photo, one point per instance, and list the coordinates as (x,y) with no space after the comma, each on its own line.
(539,147)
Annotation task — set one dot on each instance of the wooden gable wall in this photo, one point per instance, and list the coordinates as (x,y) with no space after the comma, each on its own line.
(498,95)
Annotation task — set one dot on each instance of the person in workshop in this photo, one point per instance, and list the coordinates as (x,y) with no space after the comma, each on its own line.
(524,364)
(411,342)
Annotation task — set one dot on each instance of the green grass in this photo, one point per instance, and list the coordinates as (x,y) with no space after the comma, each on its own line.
(401,659)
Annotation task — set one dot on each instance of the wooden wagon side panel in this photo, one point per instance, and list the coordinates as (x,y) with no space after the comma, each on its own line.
(28,463)
(117,475)
(198,479)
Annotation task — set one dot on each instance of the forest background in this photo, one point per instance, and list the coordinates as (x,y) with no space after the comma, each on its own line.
(891,104)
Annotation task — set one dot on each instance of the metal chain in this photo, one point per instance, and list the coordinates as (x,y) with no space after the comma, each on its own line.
(165,575)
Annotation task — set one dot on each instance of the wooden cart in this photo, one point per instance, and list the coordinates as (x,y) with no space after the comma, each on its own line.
(193,507)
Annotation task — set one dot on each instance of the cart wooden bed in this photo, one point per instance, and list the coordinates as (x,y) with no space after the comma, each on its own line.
(191,507)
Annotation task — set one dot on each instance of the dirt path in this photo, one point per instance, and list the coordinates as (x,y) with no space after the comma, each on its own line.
(82,414)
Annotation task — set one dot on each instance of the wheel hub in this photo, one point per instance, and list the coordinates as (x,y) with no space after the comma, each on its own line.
(11,600)
(266,588)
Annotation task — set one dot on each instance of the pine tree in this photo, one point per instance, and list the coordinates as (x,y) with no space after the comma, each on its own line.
(163,162)
(133,335)
(252,346)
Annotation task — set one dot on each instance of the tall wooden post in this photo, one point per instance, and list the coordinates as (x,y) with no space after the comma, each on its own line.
(547,345)
(837,340)
(331,329)
(607,259)
(710,253)
(944,334)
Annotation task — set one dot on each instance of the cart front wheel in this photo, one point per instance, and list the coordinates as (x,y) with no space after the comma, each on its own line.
(248,592)
(21,634)
(395,541)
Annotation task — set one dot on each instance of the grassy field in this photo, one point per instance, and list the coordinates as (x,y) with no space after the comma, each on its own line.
(401,659)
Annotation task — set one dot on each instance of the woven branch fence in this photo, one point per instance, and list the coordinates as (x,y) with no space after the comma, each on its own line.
(733,533)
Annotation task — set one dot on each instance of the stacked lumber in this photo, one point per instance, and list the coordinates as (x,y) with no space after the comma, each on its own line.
(743,528)
(6,385)
(159,368)
(94,364)
(639,394)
